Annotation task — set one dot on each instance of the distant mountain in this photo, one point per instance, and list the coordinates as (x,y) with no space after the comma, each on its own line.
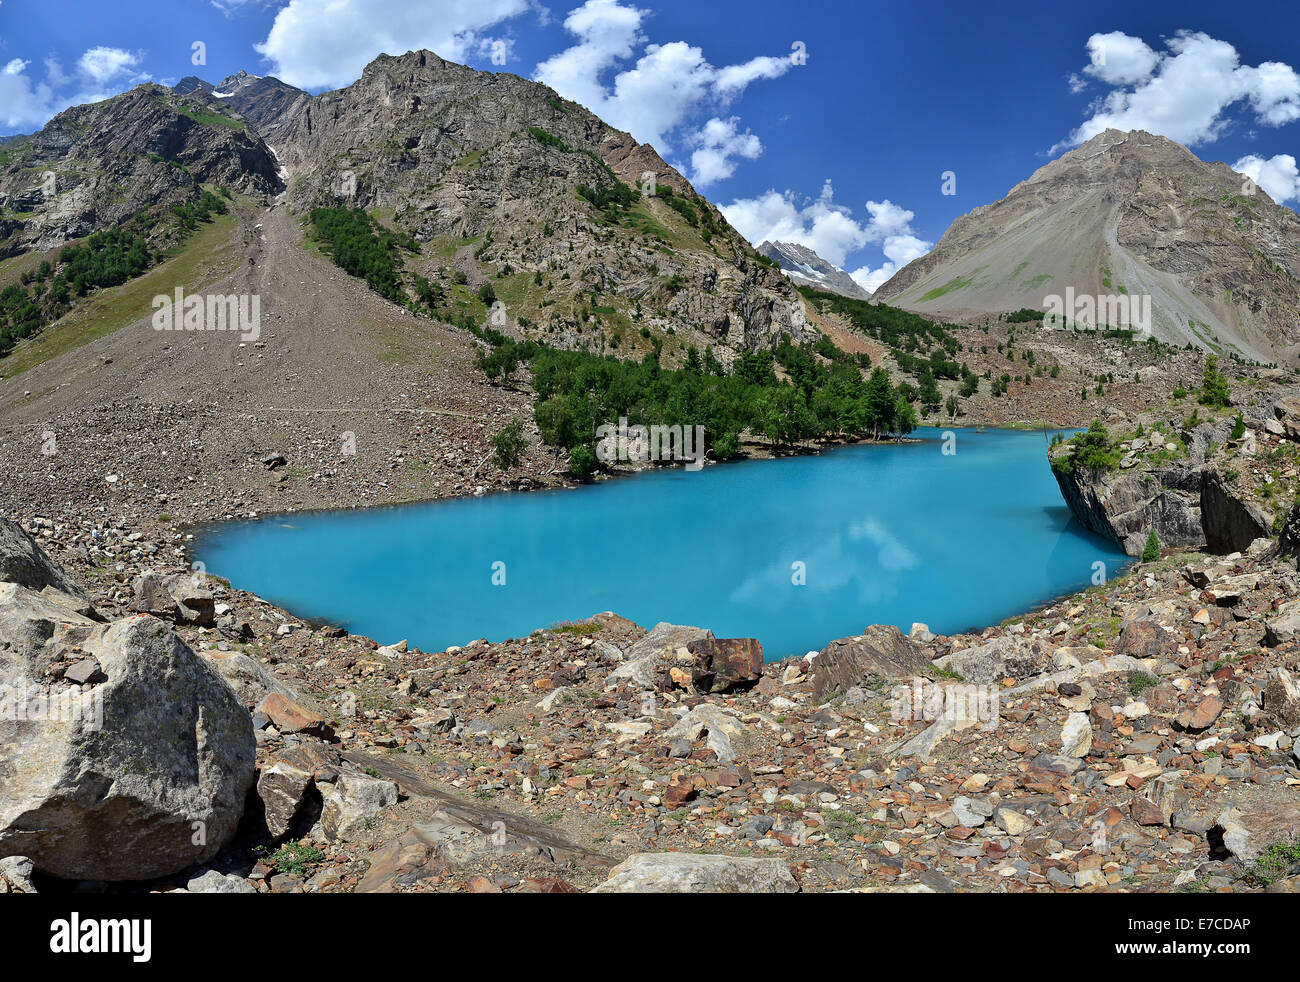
(806,268)
(262,100)
(95,166)
(1127,215)
(191,83)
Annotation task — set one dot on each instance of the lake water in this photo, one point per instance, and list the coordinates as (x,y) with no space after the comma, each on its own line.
(795,552)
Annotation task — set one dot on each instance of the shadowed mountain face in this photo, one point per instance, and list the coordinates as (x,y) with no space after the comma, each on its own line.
(262,101)
(806,268)
(95,166)
(1127,215)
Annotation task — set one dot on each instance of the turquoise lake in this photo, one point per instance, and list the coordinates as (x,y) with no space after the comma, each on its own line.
(886,534)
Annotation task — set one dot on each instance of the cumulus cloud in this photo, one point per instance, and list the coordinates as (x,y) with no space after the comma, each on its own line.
(719,143)
(318,44)
(663,91)
(1185,92)
(831,231)
(27,102)
(1278,175)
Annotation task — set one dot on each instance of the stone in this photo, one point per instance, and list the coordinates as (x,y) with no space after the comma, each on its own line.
(1012,822)
(289,717)
(251,682)
(1004,657)
(1143,811)
(1076,735)
(1144,638)
(1284,626)
(286,786)
(1202,716)
(971,812)
(160,749)
(1282,697)
(212,881)
(1250,829)
(85,672)
(24,563)
(18,871)
(678,872)
(179,597)
(726,664)
(724,733)
(350,805)
(880,652)
(641,666)
(1230,524)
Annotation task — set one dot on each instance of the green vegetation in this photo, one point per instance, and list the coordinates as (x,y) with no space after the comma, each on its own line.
(1274,863)
(364,249)
(1151,551)
(1139,682)
(105,259)
(957,283)
(509,445)
(549,139)
(576,392)
(293,858)
(1214,385)
(1092,450)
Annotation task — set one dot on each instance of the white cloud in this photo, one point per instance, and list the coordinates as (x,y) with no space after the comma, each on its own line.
(1118,59)
(667,87)
(102,65)
(1183,93)
(317,44)
(27,103)
(719,141)
(1278,175)
(830,230)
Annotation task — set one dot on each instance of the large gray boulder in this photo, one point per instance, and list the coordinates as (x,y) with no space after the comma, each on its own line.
(135,777)
(23,562)
(682,872)
(881,652)
(647,658)
(1230,524)
(178,597)
(1006,657)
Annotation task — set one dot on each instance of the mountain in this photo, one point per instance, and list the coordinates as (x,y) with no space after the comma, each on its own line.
(94,166)
(1127,214)
(262,100)
(806,268)
(507,184)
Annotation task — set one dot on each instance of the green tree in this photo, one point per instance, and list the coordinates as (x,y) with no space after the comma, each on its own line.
(509,445)
(1214,385)
(1151,551)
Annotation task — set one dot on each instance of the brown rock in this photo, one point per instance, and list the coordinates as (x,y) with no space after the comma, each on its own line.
(1202,716)
(1146,812)
(289,717)
(880,652)
(726,664)
(1144,638)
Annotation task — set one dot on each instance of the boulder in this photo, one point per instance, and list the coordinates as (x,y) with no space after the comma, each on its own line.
(1230,524)
(1284,626)
(726,664)
(1009,656)
(680,872)
(1124,506)
(881,652)
(23,562)
(1250,829)
(179,597)
(141,776)
(352,802)
(725,734)
(641,668)
(251,682)
(1288,542)
(1144,638)
(287,788)
(1282,698)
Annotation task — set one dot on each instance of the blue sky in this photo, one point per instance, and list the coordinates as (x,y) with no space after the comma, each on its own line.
(845,150)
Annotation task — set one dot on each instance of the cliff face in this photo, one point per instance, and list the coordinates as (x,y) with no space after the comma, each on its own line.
(1196,491)
(94,166)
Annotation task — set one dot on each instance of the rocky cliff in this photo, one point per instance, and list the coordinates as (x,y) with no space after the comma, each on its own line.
(94,166)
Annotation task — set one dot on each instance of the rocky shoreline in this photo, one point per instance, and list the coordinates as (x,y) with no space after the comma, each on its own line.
(1143,739)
